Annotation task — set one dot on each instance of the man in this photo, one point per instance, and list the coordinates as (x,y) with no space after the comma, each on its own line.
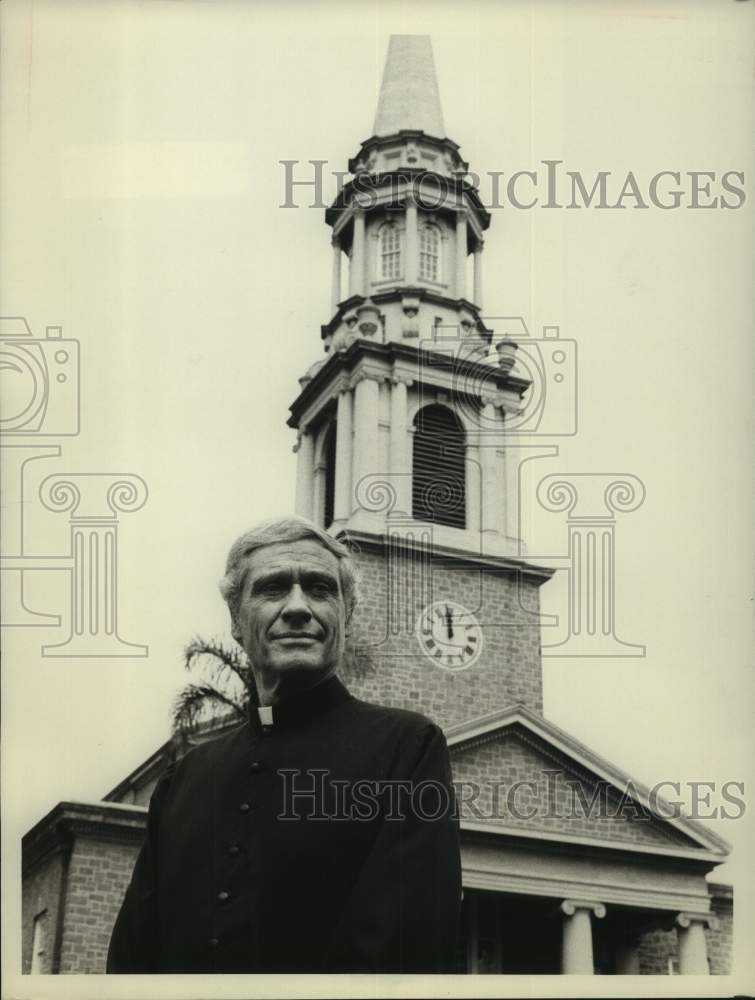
(318,837)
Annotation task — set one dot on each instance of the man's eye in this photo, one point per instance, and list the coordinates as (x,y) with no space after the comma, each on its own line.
(320,589)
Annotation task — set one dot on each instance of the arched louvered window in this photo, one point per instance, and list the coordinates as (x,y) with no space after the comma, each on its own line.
(390,251)
(329,458)
(429,252)
(438,477)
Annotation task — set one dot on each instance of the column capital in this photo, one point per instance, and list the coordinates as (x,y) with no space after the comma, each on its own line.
(686,919)
(570,906)
(402,380)
(368,377)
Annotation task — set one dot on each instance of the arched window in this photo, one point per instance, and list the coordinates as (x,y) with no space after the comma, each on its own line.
(329,458)
(390,251)
(429,252)
(438,477)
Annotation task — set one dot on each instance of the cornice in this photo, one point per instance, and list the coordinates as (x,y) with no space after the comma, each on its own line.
(388,354)
(459,187)
(397,293)
(444,554)
(58,829)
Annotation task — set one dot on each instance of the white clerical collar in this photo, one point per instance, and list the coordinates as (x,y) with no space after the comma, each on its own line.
(265,713)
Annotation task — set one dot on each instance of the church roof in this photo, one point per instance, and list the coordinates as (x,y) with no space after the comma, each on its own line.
(409,97)
(521,744)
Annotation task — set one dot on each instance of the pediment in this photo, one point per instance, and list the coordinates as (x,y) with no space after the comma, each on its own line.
(517,773)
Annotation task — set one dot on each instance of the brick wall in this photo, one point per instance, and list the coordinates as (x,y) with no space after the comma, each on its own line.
(659,947)
(719,939)
(77,862)
(507,671)
(98,874)
(559,798)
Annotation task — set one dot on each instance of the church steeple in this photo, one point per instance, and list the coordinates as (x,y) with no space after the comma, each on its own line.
(384,408)
(409,97)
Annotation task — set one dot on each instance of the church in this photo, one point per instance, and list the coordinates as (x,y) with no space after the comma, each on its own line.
(402,429)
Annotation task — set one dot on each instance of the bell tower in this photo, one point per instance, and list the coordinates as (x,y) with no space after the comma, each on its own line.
(402,424)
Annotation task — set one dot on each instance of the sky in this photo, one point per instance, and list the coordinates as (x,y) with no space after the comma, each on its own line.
(140,192)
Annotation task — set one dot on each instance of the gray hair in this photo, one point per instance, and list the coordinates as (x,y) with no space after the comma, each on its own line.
(284,529)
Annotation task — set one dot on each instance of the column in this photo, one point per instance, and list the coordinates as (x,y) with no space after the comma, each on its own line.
(356,271)
(366,461)
(305,468)
(412,243)
(478,275)
(343,484)
(488,441)
(94,501)
(592,500)
(474,477)
(461,255)
(335,284)
(399,464)
(576,942)
(693,949)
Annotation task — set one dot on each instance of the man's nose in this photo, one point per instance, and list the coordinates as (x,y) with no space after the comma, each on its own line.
(296,607)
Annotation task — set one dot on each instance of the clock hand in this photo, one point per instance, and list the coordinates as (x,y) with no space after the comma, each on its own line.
(449,623)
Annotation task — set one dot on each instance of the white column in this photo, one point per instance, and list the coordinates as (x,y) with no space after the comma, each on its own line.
(693,949)
(399,464)
(474,488)
(356,271)
(576,942)
(461,255)
(343,484)
(489,499)
(412,243)
(335,285)
(305,468)
(366,462)
(478,275)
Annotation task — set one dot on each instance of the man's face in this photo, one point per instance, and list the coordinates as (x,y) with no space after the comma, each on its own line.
(291,616)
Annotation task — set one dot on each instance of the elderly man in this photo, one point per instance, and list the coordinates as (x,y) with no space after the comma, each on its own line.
(320,836)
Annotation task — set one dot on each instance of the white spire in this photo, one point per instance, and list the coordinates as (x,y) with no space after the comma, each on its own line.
(409,96)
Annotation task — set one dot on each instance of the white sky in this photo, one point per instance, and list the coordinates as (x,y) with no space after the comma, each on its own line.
(140,195)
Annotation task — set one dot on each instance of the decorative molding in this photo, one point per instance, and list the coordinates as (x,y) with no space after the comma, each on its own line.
(648,896)
(686,919)
(570,906)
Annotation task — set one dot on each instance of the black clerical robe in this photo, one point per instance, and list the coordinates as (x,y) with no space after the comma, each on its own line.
(326,842)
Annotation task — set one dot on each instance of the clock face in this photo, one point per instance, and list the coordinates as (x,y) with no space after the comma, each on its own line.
(449,635)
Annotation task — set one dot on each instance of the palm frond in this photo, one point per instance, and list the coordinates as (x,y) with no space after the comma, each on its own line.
(198,701)
(221,663)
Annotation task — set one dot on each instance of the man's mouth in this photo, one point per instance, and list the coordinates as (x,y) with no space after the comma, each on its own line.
(296,637)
